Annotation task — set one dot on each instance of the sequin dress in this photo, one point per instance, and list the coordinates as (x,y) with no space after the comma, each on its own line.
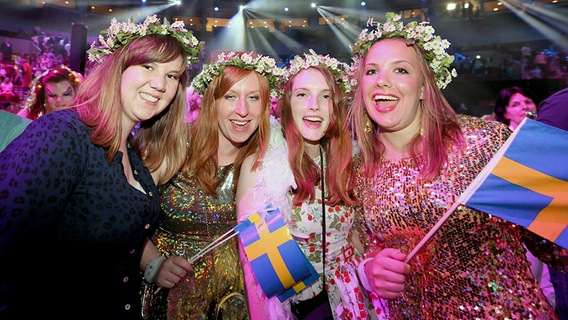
(475,266)
(192,219)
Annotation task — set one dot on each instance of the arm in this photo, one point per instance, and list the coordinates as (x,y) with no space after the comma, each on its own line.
(245,207)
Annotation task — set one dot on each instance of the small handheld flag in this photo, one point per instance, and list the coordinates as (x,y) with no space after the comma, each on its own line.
(526,183)
(280,266)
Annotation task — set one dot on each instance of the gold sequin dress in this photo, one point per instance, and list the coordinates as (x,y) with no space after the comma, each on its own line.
(192,219)
(475,266)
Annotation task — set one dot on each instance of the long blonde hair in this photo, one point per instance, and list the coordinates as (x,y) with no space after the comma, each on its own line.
(439,125)
(202,160)
(99,103)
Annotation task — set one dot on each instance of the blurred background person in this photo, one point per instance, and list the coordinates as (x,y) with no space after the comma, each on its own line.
(513,104)
(53,90)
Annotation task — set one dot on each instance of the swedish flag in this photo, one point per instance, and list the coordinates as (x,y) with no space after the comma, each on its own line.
(526,182)
(280,266)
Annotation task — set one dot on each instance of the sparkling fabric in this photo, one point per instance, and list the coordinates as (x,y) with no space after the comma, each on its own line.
(475,266)
(192,219)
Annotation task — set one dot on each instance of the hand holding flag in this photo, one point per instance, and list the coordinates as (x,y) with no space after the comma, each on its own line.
(526,183)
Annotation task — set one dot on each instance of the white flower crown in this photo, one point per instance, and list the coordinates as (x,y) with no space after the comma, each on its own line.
(340,70)
(420,34)
(119,33)
(264,65)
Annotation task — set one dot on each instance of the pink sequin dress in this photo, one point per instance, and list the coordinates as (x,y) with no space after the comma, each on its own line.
(475,266)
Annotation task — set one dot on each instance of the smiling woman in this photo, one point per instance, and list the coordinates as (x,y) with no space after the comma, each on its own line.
(307,174)
(418,157)
(92,204)
(198,203)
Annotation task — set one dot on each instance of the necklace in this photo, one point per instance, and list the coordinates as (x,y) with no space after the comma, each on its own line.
(323,239)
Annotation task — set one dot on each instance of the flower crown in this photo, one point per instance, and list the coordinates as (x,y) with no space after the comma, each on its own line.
(340,70)
(119,33)
(263,65)
(421,34)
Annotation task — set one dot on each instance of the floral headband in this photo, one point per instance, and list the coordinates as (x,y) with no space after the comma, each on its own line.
(119,33)
(340,70)
(263,65)
(420,34)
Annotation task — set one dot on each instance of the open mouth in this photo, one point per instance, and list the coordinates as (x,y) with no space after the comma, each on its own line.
(378,98)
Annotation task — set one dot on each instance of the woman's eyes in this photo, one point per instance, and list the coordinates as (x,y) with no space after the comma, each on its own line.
(396,70)
(169,76)
(235,97)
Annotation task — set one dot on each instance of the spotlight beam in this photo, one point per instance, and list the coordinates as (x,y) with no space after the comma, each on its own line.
(554,30)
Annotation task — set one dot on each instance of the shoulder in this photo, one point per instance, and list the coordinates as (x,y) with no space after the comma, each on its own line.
(57,128)
(483,133)
(11,126)
(62,120)
(11,120)
(471,124)
(554,110)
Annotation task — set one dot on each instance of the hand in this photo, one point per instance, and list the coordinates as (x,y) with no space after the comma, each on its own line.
(387,273)
(172,270)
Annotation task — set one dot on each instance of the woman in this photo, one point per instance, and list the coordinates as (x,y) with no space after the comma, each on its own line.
(53,90)
(513,105)
(417,159)
(198,202)
(77,202)
(306,173)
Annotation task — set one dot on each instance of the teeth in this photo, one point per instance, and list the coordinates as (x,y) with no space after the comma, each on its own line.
(382,97)
(148,97)
(239,123)
(313,119)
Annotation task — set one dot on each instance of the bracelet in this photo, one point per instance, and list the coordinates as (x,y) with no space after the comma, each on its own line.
(152,268)
(363,275)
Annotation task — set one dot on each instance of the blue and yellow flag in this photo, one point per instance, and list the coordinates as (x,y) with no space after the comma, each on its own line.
(526,182)
(280,266)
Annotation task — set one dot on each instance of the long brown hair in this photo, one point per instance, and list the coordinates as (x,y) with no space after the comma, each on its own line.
(202,159)
(439,124)
(336,143)
(161,138)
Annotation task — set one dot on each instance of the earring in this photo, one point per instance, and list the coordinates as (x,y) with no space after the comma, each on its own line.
(368,125)
(421,132)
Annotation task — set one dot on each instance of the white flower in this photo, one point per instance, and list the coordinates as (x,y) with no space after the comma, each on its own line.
(117,36)
(264,65)
(422,35)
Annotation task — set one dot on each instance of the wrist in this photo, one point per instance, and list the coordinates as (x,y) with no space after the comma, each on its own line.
(151,270)
(361,271)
